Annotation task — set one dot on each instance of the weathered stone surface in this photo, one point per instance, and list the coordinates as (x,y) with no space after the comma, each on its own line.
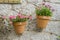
(30,35)
(8,12)
(43,36)
(5,6)
(54,1)
(34,1)
(50,33)
(28,7)
(56,13)
(53,27)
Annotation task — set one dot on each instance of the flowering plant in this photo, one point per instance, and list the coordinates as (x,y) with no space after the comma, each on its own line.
(45,10)
(20,18)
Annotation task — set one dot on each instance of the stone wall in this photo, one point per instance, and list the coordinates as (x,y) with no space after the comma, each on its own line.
(28,7)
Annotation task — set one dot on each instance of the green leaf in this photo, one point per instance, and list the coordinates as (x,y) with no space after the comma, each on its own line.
(44,11)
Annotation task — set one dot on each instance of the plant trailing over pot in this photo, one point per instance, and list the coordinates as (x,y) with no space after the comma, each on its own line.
(19,22)
(4,29)
(43,14)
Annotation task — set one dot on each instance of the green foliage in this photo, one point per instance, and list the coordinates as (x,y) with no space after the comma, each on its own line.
(19,19)
(44,11)
(59,36)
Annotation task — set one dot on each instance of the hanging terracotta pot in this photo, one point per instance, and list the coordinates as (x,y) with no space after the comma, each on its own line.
(42,21)
(19,27)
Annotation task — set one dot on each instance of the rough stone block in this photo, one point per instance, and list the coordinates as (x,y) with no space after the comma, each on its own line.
(56,13)
(53,27)
(5,6)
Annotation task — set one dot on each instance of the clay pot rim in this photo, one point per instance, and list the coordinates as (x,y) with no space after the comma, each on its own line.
(19,23)
(44,17)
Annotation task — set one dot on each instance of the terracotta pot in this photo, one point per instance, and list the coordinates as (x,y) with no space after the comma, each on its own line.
(19,27)
(42,21)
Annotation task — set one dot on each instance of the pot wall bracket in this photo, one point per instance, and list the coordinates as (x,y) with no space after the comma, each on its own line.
(10,1)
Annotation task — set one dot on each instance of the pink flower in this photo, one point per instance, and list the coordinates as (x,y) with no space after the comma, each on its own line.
(26,16)
(52,9)
(47,5)
(43,3)
(30,17)
(22,16)
(12,17)
(4,17)
(19,15)
(11,22)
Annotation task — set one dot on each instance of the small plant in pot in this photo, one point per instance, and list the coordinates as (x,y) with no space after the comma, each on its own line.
(19,22)
(43,15)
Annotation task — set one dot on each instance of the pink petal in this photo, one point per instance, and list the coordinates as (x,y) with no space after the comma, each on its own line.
(19,15)
(12,17)
(47,4)
(43,3)
(26,16)
(52,9)
(22,16)
(4,17)
(30,17)
(11,22)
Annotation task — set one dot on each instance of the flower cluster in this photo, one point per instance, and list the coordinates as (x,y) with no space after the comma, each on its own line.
(4,17)
(46,4)
(20,18)
(45,9)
